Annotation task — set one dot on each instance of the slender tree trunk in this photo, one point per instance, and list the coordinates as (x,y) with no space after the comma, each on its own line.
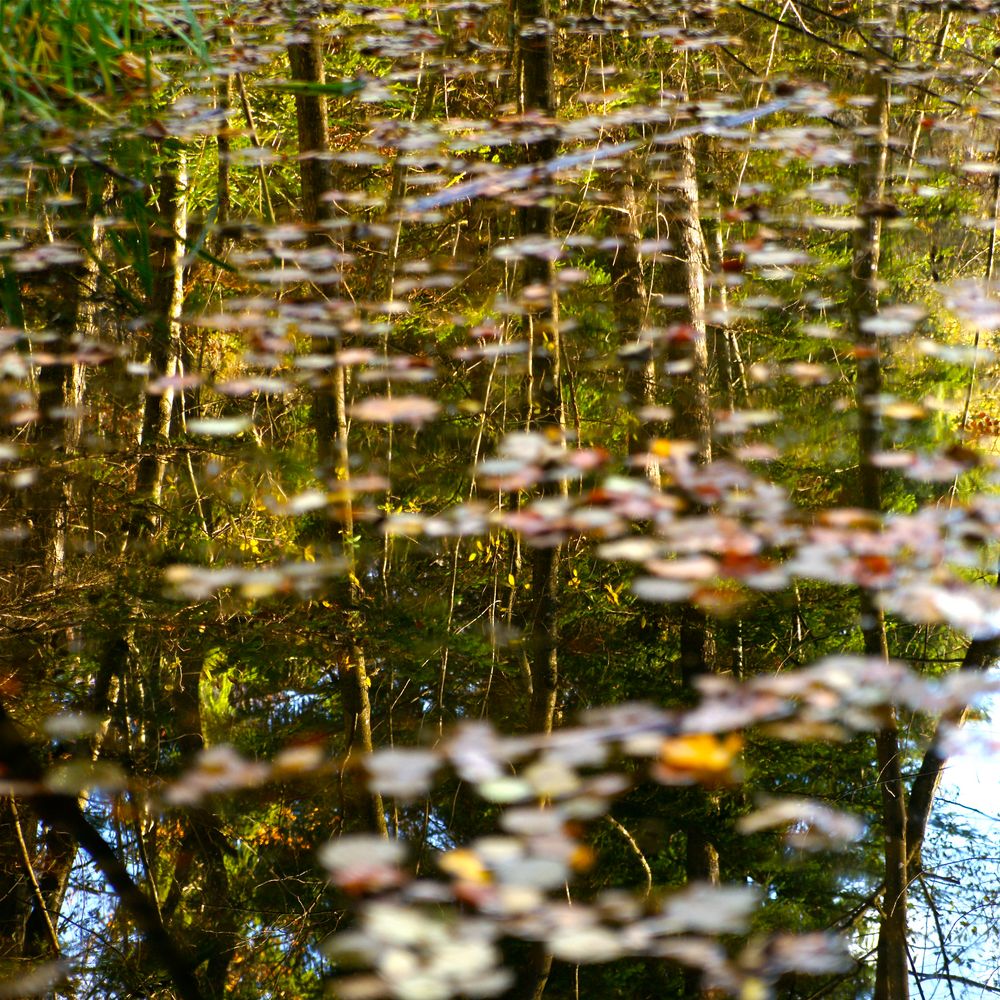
(204,844)
(305,59)
(15,888)
(891,973)
(689,371)
(87,331)
(689,345)
(359,809)
(545,411)
(725,346)
(692,421)
(536,93)
(629,300)
(57,395)
(166,302)
(223,147)
(688,357)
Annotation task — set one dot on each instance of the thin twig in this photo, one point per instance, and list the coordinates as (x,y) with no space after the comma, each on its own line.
(35,887)
(940,933)
(630,840)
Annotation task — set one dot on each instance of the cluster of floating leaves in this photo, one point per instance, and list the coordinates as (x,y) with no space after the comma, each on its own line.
(437,936)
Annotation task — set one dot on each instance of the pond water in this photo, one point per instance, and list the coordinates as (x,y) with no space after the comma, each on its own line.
(497,500)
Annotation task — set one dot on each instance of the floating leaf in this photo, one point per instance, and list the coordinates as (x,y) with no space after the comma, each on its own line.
(39,981)
(360,862)
(219,426)
(814,826)
(699,757)
(414,410)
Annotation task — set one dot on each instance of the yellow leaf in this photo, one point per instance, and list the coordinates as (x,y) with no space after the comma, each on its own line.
(701,753)
(464,865)
(511,582)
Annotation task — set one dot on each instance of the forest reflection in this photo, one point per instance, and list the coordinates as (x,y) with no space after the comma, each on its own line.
(497,500)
